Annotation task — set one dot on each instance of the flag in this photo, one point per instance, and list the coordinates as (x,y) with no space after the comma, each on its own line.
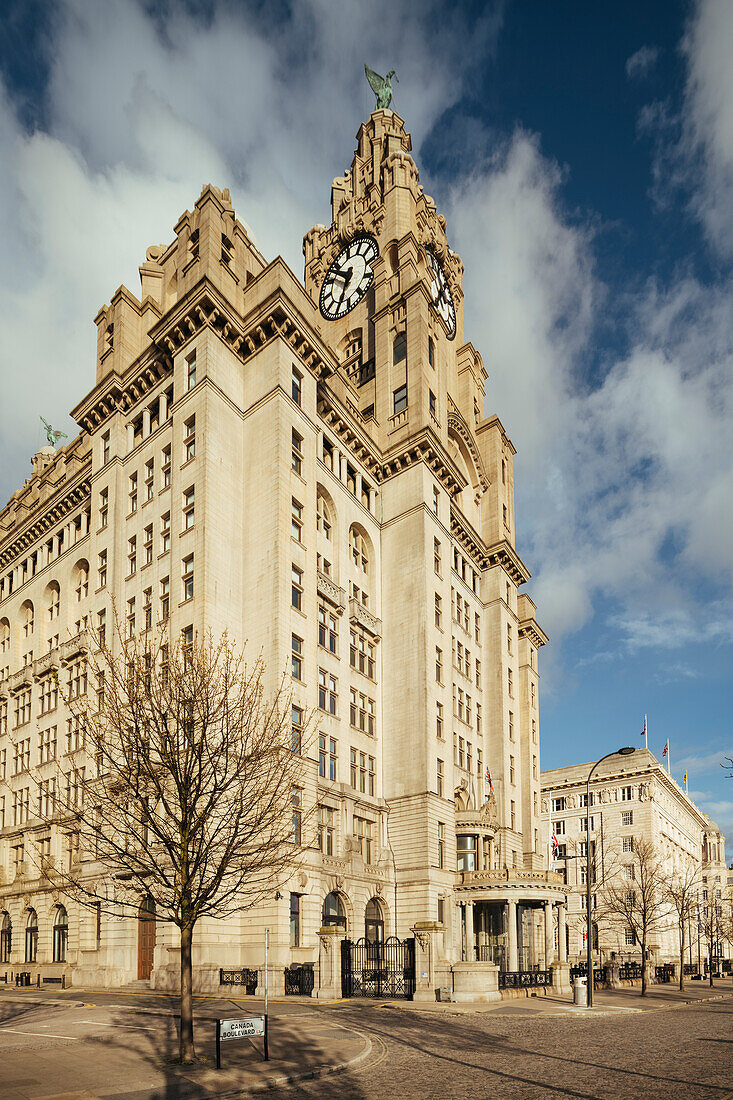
(555,846)
(643,732)
(665,750)
(684,778)
(488,780)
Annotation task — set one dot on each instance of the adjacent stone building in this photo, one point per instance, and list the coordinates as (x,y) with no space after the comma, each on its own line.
(308,466)
(633,798)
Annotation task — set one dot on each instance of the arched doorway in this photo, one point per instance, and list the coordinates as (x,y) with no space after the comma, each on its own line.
(6,938)
(31,937)
(145,939)
(374,922)
(60,935)
(334,915)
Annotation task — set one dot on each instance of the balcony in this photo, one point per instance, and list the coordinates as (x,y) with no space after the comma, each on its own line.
(20,679)
(74,647)
(361,616)
(49,662)
(330,591)
(511,876)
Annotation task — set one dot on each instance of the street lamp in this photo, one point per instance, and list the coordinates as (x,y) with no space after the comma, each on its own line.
(626,751)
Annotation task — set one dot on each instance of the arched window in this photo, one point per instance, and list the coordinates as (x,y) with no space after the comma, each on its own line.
(81,571)
(6,938)
(374,922)
(4,635)
(60,935)
(399,347)
(324,516)
(53,601)
(359,550)
(334,915)
(31,936)
(27,618)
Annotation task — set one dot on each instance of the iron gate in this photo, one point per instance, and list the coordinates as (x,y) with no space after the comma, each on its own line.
(378,968)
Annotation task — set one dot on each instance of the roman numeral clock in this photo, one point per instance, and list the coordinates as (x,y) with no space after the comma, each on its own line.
(348,278)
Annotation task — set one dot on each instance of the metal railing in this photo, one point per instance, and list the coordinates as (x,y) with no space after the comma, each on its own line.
(524,979)
(244,977)
(629,972)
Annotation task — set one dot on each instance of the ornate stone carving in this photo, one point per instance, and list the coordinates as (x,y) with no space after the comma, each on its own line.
(331,592)
(302,880)
(363,617)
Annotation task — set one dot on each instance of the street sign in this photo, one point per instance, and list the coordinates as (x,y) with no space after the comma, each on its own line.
(242,1029)
(248,1027)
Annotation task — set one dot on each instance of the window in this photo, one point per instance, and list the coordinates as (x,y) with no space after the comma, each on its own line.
(149,479)
(433,403)
(627,817)
(437,560)
(6,938)
(466,852)
(188,508)
(509,638)
(21,756)
(296,588)
(327,757)
(296,722)
(104,507)
(361,653)
(31,937)
(49,694)
(296,520)
(364,834)
(165,533)
(438,611)
(436,500)
(439,720)
(60,935)
(399,398)
(438,665)
(441,844)
(629,872)
(363,772)
(132,494)
(327,691)
(627,844)
(165,467)
(629,937)
(510,683)
(626,794)
(323,523)
(165,600)
(584,799)
(330,458)
(558,805)
(399,347)
(359,550)
(187,577)
(511,725)
(23,707)
(296,460)
(361,711)
(513,815)
(440,777)
(295,920)
(296,386)
(297,816)
(189,439)
(131,555)
(296,659)
(130,618)
(191,371)
(559,828)
(47,745)
(105,448)
(511,769)
(326,832)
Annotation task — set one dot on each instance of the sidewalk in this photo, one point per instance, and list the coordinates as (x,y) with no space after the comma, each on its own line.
(125,1059)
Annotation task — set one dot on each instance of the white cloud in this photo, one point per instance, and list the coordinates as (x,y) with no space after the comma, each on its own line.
(641,63)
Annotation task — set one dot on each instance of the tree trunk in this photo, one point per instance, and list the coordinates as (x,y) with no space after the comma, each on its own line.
(682,955)
(643,968)
(710,966)
(187,1052)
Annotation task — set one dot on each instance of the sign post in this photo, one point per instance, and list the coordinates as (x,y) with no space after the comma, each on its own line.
(267,944)
(250,1027)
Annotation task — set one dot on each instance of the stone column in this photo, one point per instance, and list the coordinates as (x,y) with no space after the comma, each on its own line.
(513,950)
(329,962)
(562,939)
(162,409)
(549,936)
(470,939)
(146,423)
(427,934)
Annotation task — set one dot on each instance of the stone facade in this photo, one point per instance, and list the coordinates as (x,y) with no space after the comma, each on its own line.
(329,490)
(632,798)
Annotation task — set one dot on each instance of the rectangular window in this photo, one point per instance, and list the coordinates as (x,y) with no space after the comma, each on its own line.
(296,386)
(438,665)
(191,371)
(296,721)
(104,507)
(327,691)
(628,844)
(187,577)
(105,448)
(627,817)
(149,479)
(296,658)
(165,533)
(295,920)
(433,403)
(296,460)
(441,845)
(326,830)
(165,601)
(629,937)
(148,608)
(130,618)
(132,494)
(327,757)
(361,653)
(559,828)
(511,769)
(400,399)
(509,638)
(361,712)
(440,778)
(626,794)
(437,559)
(165,467)
(131,555)
(364,834)
(510,683)
(439,721)
(296,588)
(148,544)
(436,500)
(558,805)
(189,498)
(189,439)
(296,520)
(438,611)
(513,815)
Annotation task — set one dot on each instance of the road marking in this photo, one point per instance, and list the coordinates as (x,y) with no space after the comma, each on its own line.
(134,1027)
(36,1034)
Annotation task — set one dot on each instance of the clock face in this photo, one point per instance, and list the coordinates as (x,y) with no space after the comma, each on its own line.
(348,278)
(441,295)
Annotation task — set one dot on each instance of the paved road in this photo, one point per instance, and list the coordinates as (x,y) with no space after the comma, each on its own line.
(682,1052)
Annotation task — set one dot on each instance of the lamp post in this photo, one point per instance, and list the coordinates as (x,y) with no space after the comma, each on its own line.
(589,916)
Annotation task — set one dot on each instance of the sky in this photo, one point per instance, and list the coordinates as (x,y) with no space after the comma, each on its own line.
(583,157)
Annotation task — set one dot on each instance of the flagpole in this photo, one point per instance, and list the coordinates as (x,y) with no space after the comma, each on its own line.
(669,755)
(646,746)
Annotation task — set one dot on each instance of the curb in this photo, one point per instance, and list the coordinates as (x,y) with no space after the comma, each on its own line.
(283,1080)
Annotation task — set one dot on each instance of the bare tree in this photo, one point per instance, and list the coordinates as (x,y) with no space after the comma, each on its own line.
(635,898)
(711,922)
(680,892)
(192,791)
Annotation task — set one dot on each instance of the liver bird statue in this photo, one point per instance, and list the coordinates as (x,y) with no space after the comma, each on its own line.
(381,86)
(53,435)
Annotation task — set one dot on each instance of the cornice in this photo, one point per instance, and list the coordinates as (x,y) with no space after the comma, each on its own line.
(42,524)
(342,418)
(530,628)
(503,553)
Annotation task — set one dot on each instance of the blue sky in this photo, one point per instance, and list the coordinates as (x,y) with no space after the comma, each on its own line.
(583,156)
